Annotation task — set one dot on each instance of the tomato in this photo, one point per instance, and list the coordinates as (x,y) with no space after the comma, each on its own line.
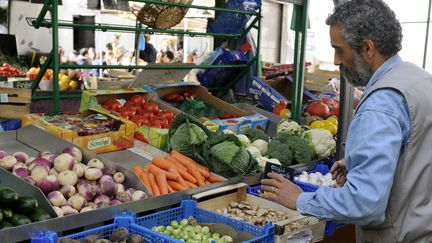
(133,106)
(4,69)
(318,108)
(153,125)
(170,97)
(126,112)
(112,103)
(151,106)
(166,114)
(14,70)
(146,114)
(7,65)
(179,99)
(154,119)
(167,126)
(163,121)
(138,99)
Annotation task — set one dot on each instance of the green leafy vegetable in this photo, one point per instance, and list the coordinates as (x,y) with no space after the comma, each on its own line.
(255,134)
(281,151)
(302,152)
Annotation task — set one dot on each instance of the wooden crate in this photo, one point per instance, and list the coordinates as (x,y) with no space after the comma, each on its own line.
(14,103)
(222,200)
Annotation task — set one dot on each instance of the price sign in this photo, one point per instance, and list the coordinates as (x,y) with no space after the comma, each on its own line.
(287,172)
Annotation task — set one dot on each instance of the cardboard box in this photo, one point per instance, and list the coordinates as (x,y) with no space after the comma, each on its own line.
(282,230)
(266,96)
(14,103)
(157,137)
(120,139)
(242,123)
(246,119)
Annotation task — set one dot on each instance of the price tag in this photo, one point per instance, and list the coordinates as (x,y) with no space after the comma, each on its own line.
(304,236)
(4,98)
(287,172)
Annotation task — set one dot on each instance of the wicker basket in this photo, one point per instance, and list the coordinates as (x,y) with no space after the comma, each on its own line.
(161,16)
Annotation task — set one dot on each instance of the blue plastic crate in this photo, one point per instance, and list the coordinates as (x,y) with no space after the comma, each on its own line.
(125,220)
(307,187)
(190,208)
(233,23)
(10,125)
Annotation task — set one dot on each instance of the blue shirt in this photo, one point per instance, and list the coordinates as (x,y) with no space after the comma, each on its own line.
(376,137)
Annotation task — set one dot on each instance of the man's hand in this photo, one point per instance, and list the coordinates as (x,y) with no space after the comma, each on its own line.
(339,172)
(280,190)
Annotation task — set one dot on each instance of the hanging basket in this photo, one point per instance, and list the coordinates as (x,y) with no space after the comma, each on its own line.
(161,16)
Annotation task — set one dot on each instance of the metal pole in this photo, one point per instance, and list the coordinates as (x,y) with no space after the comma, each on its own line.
(56,64)
(294,105)
(258,59)
(427,34)
(137,41)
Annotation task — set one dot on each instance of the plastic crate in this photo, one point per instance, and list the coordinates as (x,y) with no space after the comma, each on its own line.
(126,220)
(307,187)
(10,125)
(233,23)
(190,208)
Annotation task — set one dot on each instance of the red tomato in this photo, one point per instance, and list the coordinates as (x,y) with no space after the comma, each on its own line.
(4,69)
(153,125)
(146,114)
(133,106)
(151,106)
(114,104)
(170,97)
(7,65)
(166,114)
(167,126)
(126,112)
(138,99)
(188,95)
(179,99)
(14,70)
(154,119)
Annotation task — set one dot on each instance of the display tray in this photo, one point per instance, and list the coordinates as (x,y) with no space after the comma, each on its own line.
(31,140)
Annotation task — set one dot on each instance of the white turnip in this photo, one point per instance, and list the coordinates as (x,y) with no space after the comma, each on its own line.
(21,156)
(39,172)
(68,210)
(56,198)
(44,162)
(48,184)
(119,177)
(64,162)
(67,177)
(77,202)
(74,152)
(79,169)
(3,154)
(92,174)
(138,195)
(95,163)
(8,162)
(68,191)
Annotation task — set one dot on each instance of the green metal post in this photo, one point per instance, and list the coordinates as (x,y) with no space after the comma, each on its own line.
(299,59)
(42,13)
(258,47)
(56,64)
(137,40)
(42,71)
(427,34)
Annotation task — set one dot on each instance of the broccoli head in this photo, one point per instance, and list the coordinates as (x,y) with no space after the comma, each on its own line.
(302,152)
(280,151)
(255,134)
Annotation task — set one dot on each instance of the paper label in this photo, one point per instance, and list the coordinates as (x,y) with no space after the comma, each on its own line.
(4,98)
(285,171)
(303,236)
(99,143)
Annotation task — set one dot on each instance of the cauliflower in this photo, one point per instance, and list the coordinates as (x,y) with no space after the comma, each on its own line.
(244,140)
(321,141)
(261,145)
(254,151)
(290,127)
(227,131)
(263,160)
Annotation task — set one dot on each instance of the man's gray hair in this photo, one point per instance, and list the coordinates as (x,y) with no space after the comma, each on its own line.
(362,20)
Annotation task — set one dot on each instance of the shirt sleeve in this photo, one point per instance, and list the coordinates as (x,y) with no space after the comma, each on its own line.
(372,150)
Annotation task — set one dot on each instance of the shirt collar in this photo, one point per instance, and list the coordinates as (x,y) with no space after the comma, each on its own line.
(384,68)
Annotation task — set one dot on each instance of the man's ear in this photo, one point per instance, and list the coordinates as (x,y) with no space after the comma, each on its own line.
(368,49)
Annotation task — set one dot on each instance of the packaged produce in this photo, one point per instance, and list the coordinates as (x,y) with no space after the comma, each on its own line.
(120,234)
(70,184)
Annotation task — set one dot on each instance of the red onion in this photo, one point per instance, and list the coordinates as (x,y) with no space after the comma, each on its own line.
(74,152)
(48,184)
(21,156)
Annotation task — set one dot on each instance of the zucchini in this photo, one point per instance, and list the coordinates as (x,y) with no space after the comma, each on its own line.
(7,213)
(8,196)
(19,219)
(26,204)
(39,215)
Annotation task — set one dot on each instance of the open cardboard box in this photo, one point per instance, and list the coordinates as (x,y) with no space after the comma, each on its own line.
(121,138)
(157,137)
(220,199)
(246,119)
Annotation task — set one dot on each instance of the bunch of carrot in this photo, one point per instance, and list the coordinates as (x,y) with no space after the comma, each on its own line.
(173,173)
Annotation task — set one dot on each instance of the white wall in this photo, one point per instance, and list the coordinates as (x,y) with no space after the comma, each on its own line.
(29,37)
(270,31)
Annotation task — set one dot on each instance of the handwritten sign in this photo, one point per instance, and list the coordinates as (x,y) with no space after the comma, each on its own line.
(287,172)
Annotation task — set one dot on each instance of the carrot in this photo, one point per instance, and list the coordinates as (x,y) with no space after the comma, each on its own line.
(162,163)
(189,159)
(190,184)
(207,182)
(191,167)
(156,170)
(137,169)
(170,189)
(204,173)
(154,185)
(146,180)
(162,183)
(213,179)
(187,176)
(179,179)
(176,186)
(175,162)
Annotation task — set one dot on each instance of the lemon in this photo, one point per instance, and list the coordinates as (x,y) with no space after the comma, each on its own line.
(333,121)
(331,128)
(285,113)
(317,124)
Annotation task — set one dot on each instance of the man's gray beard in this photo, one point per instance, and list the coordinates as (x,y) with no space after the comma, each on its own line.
(360,74)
